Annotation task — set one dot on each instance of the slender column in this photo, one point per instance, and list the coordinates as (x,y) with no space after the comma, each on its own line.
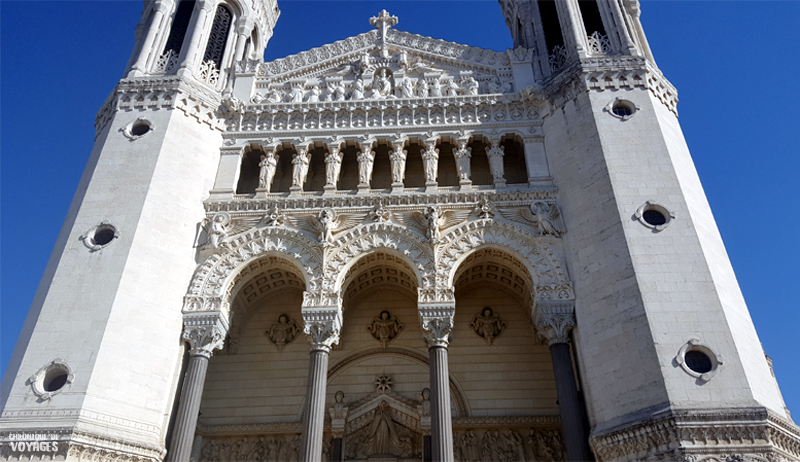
(572,26)
(436,320)
(322,325)
(241,41)
(138,67)
(554,321)
(190,48)
(625,41)
(204,333)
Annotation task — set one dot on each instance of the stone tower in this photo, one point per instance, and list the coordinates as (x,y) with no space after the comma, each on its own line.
(492,255)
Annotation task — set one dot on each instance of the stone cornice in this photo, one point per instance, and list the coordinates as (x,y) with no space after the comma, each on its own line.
(79,444)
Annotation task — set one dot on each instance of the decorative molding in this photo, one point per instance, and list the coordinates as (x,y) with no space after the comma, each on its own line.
(84,445)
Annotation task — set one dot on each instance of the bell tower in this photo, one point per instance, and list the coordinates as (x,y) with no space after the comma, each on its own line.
(104,329)
(663,339)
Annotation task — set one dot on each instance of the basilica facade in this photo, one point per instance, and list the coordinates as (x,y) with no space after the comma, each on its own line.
(393,248)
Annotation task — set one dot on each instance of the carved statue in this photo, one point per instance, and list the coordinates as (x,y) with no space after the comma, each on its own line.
(430,157)
(274,96)
(274,217)
(385,328)
(424,406)
(383,84)
(296,95)
(550,221)
(398,159)
(495,154)
(407,87)
(327,223)
(452,88)
(327,220)
(358,90)
(463,155)
(283,331)
(469,447)
(336,91)
(313,95)
(488,325)
(433,221)
(422,88)
(333,165)
(267,168)
(217,230)
(338,411)
(383,434)
(436,89)
(471,86)
(366,160)
(300,163)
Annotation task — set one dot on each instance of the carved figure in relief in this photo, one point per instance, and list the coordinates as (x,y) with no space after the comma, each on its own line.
(398,160)
(495,154)
(274,217)
(333,165)
(484,208)
(358,90)
(385,328)
(424,406)
(422,88)
(463,154)
(313,95)
(283,331)
(436,89)
(338,411)
(335,91)
(327,223)
(300,163)
(384,85)
(217,230)
(384,438)
(469,447)
(549,217)
(296,95)
(488,325)
(407,87)
(452,88)
(366,159)
(380,213)
(266,169)
(433,220)
(471,86)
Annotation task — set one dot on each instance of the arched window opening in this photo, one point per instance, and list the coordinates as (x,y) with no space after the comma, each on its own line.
(593,23)
(415,169)
(215,49)
(447,173)
(315,181)
(514,166)
(382,169)
(348,176)
(479,164)
(248,173)
(179,27)
(283,174)
(550,25)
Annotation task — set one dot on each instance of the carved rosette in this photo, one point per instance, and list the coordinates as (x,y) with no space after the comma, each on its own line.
(204,332)
(437,323)
(322,326)
(554,321)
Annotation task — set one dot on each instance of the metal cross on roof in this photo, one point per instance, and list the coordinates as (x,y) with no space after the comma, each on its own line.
(383,22)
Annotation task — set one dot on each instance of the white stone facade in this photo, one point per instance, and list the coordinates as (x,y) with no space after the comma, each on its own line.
(451,229)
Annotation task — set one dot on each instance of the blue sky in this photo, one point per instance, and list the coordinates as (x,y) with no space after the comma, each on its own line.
(735,65)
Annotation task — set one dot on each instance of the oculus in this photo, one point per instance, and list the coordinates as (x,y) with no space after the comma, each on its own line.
(698,360)
(51,379)
(137,129)
(621,108)
(654,215)
(99,236)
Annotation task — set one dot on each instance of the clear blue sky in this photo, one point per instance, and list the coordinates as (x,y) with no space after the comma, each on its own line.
(735,65)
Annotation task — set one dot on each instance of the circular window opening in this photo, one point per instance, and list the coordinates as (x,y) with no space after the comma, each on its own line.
(55,380)
(140,129)
(654,217)
(622,110)
(698,361)
(103,236)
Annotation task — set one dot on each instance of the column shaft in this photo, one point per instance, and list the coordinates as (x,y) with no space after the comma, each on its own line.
(314,417)
(147,46)
(241,40)
(188,410)
(575,437)
(441,420)
(190,50)
(337,450)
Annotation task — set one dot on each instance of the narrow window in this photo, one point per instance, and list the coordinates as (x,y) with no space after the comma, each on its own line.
(248,175)
(179,26)
(218,37)
(550,24)
(592,20)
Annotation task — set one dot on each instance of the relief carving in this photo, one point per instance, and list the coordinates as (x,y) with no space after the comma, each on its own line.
(488,325)
(385,328)
(511,444)
(283,331)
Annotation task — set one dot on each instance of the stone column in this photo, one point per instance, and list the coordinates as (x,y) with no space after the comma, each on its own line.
(554,321)
(190,48)
(322,325)
(138,67)
(569,16)
(205,332)
(436,320)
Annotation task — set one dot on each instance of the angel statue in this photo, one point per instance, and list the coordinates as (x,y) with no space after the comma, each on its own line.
(217,229)
(433,221)
(300,163)
(488,325)
(544,217)
(283,331)
(327,223)
(266,170)
(385,328)
(366,159)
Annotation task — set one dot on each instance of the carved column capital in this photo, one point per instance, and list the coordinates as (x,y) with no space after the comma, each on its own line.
(436,321)
(205,332)
(554,320)
(322,326)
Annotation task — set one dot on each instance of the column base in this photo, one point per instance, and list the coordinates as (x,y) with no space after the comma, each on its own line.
(363,189)
(398,188)
(431,186)
(261,193)
(329,190)
(465,185)
(295,191)
(499,184)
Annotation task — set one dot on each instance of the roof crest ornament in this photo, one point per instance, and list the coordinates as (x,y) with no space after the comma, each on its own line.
(383,22)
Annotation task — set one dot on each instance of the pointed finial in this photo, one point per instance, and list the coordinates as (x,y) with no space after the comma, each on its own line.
(383,22)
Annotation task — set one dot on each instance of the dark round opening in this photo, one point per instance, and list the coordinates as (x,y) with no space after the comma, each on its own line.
(622,110)
(698,361)
(140,129)
(55,380)
(103,236)
(654,217)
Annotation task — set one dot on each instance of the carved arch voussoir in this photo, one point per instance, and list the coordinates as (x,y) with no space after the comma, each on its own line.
(539,257)
(363,240)
(214,281)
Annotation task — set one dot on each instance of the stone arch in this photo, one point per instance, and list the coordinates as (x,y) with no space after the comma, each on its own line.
(543,263)
(214,281)
(384,237)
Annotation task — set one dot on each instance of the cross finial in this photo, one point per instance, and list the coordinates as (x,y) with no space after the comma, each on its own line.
(383,22)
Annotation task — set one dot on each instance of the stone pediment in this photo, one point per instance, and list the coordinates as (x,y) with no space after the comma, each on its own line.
(383,64)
